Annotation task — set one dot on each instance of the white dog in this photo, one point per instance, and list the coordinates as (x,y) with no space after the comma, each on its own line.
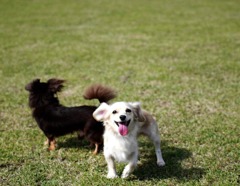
(123,123)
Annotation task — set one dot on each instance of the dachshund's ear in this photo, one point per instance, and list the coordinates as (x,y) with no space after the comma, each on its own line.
(55,85)
(102,112)
(30,86)
(138,111)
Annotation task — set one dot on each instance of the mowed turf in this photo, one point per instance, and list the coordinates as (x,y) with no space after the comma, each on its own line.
(180,59)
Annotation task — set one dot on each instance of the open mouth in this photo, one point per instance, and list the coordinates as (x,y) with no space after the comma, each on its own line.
(126,123)
(123,127)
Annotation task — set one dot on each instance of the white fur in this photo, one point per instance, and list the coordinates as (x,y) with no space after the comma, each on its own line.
(124,148)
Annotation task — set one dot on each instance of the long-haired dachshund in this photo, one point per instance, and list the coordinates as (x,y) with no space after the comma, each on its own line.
(56,120)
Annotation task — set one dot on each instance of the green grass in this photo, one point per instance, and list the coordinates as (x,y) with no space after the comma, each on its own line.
(181,59)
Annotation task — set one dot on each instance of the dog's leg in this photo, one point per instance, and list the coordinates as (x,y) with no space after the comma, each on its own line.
(153,134)
(111,167)
(156,141)
(129,168)
(96,149)
(160,161)
(52,144)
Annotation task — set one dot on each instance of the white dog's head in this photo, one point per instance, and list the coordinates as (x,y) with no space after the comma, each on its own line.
(120,116)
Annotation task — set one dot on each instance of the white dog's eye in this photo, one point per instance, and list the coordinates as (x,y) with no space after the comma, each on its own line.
(114,112)
(128,110)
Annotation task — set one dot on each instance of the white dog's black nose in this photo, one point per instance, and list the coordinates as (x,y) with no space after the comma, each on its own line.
(122,118)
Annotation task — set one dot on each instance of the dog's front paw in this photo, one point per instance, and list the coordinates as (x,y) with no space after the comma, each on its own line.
(112,175)
(125,175)
(161,163)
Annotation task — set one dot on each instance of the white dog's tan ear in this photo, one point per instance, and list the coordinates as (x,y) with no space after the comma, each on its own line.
(138,111)
(102,112)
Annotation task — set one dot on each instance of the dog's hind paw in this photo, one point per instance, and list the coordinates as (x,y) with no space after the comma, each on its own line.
(161,163)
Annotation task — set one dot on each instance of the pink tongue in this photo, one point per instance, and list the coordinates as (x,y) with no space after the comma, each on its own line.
(123,129)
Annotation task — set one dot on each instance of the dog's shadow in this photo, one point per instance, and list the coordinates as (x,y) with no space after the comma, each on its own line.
(147,168)
(173,157)
(77,143)
(74,142)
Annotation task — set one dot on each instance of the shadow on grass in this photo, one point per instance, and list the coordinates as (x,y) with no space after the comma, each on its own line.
(74,142)
(148,169)
(173,169)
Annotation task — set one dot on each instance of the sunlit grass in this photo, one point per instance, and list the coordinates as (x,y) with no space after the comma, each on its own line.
(180,59)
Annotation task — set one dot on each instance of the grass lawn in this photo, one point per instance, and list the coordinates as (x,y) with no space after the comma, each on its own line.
(181,59)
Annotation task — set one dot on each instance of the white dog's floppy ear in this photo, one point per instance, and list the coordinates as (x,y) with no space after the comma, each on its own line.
(138,111)
(102,112)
